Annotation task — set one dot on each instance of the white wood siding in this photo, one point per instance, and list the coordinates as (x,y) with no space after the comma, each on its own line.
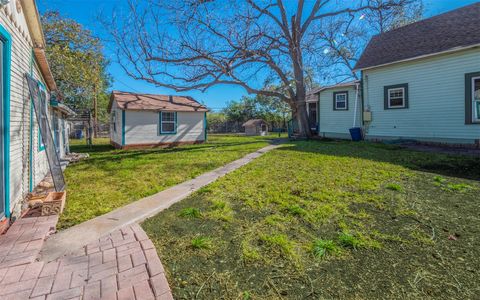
(336,123)
(436,109)
(251,130)
(20,106)
(141,127)
(116,135)
(62,125)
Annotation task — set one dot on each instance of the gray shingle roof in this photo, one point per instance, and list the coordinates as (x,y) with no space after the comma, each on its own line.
(454,29)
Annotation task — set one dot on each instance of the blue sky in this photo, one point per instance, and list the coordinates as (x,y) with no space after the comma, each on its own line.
(86,12)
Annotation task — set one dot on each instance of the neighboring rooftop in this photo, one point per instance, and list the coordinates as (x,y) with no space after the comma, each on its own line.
(446,32)
(312,94)
(133,101)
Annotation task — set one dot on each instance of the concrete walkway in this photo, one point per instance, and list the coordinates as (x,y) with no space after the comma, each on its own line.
(67,241)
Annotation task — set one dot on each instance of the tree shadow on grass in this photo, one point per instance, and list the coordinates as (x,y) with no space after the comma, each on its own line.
(467,167)
(104,153)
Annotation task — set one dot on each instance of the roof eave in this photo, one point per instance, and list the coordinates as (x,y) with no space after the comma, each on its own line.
(336,86)
(456,49)
(35,28)
(65,109)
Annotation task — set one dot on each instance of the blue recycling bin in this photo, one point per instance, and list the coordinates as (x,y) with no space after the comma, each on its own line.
(79,134)
(356,134)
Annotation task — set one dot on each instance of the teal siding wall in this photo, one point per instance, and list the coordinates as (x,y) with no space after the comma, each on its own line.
(336,123)
(436,109)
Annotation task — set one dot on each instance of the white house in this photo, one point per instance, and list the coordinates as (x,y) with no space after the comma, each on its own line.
(24,163)
(146,120)
(334,109)
(418,82)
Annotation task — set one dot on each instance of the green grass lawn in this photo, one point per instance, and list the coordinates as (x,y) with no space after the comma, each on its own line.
(323,220)
(111,178)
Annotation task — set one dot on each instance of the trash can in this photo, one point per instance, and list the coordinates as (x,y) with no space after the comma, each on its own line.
(356,134)
(79,134)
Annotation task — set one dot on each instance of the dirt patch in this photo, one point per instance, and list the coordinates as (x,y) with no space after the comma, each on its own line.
(443,149)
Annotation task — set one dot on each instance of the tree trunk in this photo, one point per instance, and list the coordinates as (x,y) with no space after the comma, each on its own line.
(95,112)
(302,119)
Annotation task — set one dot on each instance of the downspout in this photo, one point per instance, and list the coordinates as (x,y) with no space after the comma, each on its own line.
(362,96)
(356,106)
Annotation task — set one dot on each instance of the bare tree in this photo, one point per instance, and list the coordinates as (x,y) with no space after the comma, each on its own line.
(345,38)
(196,44)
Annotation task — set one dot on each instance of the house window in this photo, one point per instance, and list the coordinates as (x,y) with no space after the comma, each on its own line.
(472,98)
(168,122)
(396,96)
(476,99)
(340,101)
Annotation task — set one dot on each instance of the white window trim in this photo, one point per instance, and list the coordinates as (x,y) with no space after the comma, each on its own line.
(344,101)
(475,114)
(403,98)
(167,122)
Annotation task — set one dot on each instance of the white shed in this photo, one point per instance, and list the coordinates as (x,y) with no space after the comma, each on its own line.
(148,120)
(255,127)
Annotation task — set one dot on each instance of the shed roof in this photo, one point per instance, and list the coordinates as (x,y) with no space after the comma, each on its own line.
(254,122)
(450,31)
(133,101)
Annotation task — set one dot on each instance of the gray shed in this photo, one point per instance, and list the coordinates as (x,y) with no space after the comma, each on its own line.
(255,127)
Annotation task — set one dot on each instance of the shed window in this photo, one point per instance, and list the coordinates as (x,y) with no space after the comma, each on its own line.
(476,98)
(340,101)
(396,96)
(168,122)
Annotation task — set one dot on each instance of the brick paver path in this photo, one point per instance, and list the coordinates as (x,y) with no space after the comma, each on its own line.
(121,265)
